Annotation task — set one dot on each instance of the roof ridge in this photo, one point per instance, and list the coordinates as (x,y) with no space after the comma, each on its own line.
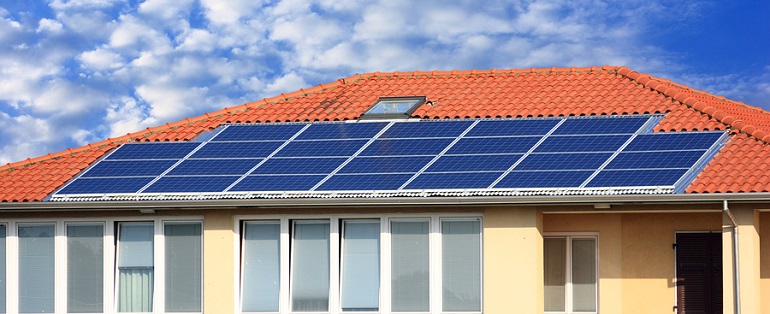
(659,85)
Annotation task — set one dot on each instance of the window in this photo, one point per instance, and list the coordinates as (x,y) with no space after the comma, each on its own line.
(361,265)
(570,270)
(393,107)
(101,266)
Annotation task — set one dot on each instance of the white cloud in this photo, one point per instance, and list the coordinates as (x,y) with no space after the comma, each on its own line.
(165,9)
(79,4)
(101,59)
(48,25)
(229,12)
(287,83)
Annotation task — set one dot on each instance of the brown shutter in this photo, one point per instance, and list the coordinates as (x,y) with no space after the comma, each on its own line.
(699,273)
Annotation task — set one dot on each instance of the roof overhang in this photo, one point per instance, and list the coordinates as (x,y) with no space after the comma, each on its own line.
(392,202)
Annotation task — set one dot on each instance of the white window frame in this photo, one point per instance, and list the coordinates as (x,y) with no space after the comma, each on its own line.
(110,259)
(569,236)
(335,237)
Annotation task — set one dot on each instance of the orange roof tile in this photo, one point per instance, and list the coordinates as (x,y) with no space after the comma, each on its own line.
(465,94)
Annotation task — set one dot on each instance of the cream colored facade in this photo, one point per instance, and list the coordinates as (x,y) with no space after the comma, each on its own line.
(636,261)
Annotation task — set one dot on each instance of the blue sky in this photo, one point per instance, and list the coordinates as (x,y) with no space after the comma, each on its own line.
(74,72)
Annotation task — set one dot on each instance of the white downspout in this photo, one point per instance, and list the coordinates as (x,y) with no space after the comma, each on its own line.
(736,260)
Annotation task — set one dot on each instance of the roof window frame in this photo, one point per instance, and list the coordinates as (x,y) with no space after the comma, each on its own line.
(418,101)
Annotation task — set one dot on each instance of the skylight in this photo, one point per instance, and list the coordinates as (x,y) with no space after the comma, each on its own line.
(393,107)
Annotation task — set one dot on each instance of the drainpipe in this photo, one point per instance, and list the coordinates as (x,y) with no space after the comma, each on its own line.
(736,260)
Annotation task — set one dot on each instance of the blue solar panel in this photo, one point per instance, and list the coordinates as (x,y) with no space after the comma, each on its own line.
(299,166)
(341,131)
(364,182)
(512,127)
(385,164)
(191,184)
(282,159)
(427,129)
(571,161)
(237,150)
(414,147)
(258,132)
(133,168)
(457,180)
(321,148)
(105,185)
(543,179)
(503,145)
(673,141)
(597,143)
(473,163)
(166,150)
(618,178)
(601,126)
(641,160)
(201,167)
(278,183)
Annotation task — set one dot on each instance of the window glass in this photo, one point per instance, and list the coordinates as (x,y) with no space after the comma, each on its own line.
(555,260)
(261,266)
(135,267)
(461,265)
(310,266)
(584,275)
(183,266)
(85,268)
(410,266)
(361,265)
(36,268)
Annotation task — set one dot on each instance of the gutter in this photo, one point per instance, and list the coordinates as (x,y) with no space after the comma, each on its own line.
(736,260)
(380,202)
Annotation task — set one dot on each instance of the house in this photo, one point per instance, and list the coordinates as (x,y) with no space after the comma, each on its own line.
(561,190)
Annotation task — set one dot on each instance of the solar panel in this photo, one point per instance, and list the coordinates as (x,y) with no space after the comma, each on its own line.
(135,168)
(277,183)
(500,155)
(364,182)
(455,180)
(299,166)
(199,167)
(258,132)
(583,143)
(231,150)
(191,184)
(568,161)
(544,179)
(341,131)
(166,150)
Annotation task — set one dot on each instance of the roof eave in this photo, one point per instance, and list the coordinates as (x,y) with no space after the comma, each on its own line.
(710,198)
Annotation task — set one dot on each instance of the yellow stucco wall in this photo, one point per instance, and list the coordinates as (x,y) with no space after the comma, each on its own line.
(513,261)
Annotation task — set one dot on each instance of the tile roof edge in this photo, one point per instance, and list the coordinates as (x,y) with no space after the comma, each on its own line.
(657,84)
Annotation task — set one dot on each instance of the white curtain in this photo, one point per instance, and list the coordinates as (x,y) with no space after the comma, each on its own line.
(183,266)
(85,268)
(410,269)
(135,267)
(361,265)
(261,266)
(36,268)
(310,267)
(555,278)
(584,275)
(461,265)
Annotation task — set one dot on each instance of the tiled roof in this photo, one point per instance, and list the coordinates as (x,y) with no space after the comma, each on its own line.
(739,167)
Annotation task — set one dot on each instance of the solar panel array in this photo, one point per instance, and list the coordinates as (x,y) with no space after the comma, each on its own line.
(268,160)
